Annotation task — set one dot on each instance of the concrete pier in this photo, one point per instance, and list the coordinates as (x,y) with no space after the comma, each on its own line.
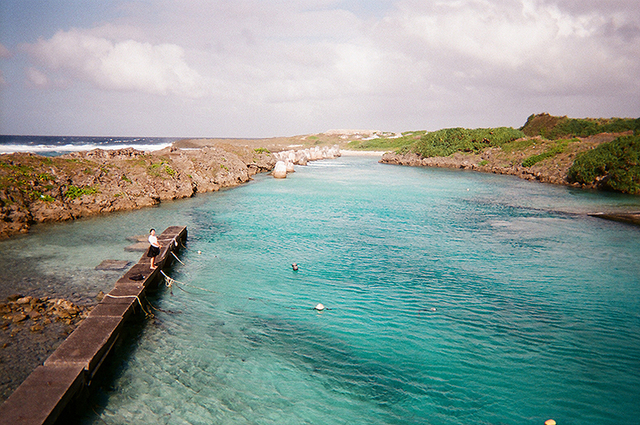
(43,396)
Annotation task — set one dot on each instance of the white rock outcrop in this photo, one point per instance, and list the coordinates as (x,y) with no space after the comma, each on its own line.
(301,157)
(280,170)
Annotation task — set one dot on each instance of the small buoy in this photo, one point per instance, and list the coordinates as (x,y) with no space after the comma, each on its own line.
(549,422)
(199,252)
(433,309)
(319,307)
(294,266)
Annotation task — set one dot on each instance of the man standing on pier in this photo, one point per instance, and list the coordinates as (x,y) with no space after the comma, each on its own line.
(154,249)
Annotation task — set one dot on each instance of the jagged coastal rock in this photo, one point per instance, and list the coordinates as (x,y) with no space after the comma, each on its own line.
(477,163)
(36,189)
(290,158)
(280,170)
(39,312)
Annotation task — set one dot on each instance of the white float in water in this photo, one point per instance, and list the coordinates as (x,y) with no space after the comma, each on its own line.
(319,307)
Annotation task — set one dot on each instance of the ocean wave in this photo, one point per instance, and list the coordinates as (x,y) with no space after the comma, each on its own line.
(13,148)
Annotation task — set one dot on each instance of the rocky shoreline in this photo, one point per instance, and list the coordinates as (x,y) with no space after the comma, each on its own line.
(37,189)
(31,330)
(494,160)
(476,163)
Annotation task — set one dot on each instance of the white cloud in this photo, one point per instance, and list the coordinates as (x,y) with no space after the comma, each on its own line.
(297,66)
(529,45)
(125,65)
(36,78)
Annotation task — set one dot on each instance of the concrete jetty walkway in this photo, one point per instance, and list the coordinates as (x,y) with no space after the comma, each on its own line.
(42,397)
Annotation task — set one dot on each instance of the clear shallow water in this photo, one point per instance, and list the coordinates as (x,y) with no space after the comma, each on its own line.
(453,298)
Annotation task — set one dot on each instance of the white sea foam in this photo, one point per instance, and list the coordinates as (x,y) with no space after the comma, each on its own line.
(11,148)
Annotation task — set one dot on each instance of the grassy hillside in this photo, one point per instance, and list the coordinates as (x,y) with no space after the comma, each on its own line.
(552,128)
(602,153)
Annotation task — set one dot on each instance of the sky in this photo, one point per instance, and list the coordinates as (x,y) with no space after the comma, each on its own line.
(266,68)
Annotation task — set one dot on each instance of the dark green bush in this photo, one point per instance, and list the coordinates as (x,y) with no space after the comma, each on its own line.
(615,164)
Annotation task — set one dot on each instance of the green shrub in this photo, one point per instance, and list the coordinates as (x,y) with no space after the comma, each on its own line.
(450,140)
(382,143)
(517,145)
(169,171)
(262,150)
(558,148)
(615,164)
(155,169)
(74,192)
(46,177)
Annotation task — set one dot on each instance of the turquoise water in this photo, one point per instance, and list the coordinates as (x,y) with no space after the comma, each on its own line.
(452,298)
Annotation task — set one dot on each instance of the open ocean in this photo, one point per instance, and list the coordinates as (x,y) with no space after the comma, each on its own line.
(58,145)
(452,298)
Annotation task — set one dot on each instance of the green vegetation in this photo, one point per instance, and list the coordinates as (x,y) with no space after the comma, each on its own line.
(45,198)
(616,165)
(443,142)
(169,171)
(382,143)
(156,169)
(451,140)
(23,177)
(125,178)
(556,149)
(518,145)
(74,192)
(262,150)
(224,167)
(44,177)
(553,128)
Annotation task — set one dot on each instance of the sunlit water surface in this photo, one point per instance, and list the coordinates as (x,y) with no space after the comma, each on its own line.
(452,298)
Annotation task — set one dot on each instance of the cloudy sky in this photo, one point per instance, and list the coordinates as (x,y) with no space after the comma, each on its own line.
(262,68)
